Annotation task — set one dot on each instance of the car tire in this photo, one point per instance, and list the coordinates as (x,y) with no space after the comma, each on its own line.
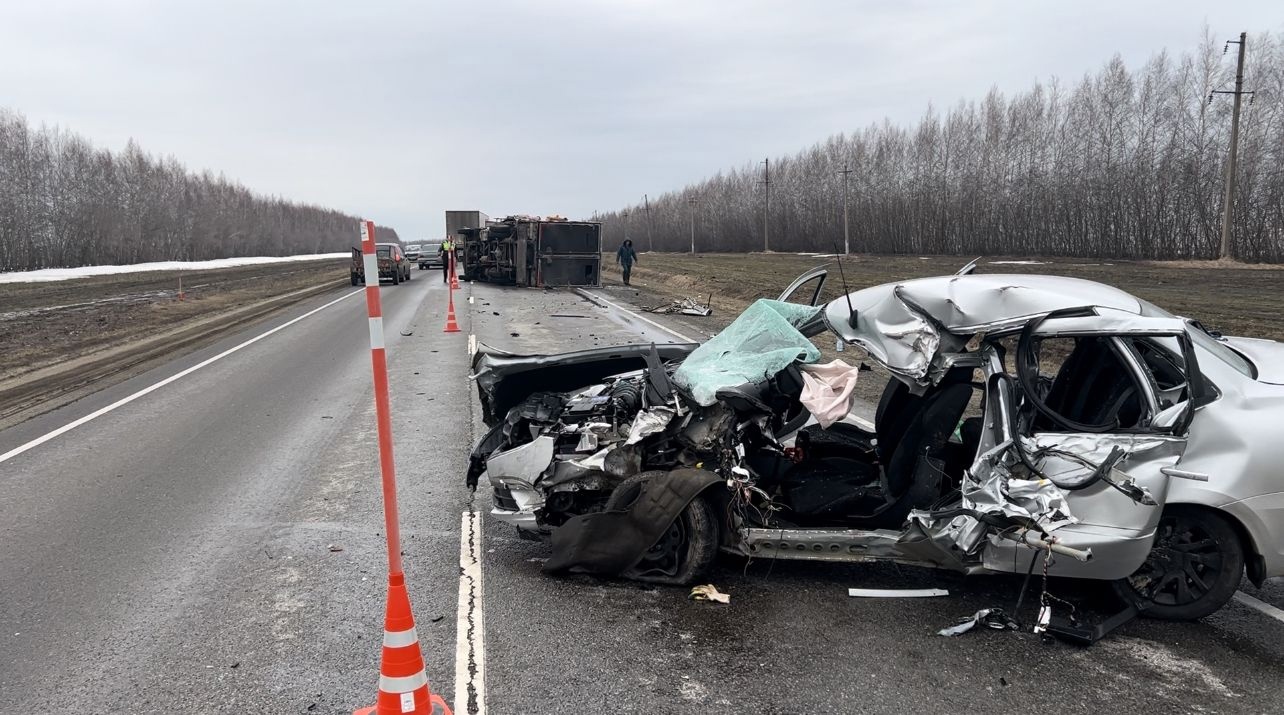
(407,272)
(1192,570)
(686,550)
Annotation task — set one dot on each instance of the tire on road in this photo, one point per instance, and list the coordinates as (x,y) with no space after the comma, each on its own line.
(1192,570)
(686,550)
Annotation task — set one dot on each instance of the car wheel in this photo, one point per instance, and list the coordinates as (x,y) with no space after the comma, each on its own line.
(687,548)
(407,272)
(1192,570)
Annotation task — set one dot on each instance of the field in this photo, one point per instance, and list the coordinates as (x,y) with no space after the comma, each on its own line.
(1235,299)
(61,337)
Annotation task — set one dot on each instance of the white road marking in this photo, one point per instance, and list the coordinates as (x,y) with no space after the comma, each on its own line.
(470,300)
(1259,605)
(616,306)
(472,344)
(152,388)
(470,629)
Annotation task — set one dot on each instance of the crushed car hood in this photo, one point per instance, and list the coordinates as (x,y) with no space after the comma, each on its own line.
(505,379)
(903,325)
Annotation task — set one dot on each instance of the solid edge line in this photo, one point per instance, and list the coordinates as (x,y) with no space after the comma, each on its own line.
(470,626)
(1260,606)
(615,306)
(152,388)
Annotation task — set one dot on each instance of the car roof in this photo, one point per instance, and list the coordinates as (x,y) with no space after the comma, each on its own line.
(970,303)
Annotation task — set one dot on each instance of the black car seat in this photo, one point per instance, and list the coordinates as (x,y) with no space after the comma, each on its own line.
(1093,387)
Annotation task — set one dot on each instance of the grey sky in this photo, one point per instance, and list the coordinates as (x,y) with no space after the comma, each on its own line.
(399,110)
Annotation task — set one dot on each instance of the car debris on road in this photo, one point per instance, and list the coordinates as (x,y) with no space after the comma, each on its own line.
(683,306)
(1027,419)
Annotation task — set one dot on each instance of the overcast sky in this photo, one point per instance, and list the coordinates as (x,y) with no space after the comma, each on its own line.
(399,110)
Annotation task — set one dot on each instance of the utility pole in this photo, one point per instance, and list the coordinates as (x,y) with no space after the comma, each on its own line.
(766,208)
(625,214)
(847,237)
(1228,205)
(650,240)
(692,203)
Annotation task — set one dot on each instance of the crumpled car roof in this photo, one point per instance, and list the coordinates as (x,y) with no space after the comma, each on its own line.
(899,324)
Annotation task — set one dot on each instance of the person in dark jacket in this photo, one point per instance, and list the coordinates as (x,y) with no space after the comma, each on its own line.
(626,257)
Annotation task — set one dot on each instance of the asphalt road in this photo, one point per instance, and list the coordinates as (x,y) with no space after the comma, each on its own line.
(215,546)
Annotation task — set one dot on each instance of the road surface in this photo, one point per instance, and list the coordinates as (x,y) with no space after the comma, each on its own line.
(215,546)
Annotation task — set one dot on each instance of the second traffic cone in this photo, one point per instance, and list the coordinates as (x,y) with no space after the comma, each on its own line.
(403,682)
(454,275)
(451,325)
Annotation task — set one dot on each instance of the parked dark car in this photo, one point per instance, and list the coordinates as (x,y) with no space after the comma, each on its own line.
(391,260)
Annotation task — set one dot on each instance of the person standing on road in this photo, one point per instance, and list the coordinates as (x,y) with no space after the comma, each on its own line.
(626,256)
(446,250)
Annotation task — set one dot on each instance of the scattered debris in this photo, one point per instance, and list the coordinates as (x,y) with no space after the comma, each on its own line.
(994,618)
(709,592)
(407,333)
(515,334)
(566,315)
(683,306)
(896,592)
(335,547)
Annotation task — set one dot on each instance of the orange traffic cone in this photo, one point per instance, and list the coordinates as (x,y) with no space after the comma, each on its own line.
(454,275)
(403,683)
(451,325)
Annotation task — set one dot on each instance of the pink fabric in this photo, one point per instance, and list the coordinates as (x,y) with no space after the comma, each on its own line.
(827,390)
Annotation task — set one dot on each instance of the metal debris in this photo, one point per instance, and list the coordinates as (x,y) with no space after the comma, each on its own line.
(709,592)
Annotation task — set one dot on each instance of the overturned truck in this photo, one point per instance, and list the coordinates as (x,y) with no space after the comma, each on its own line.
(528,251)
(1028,421)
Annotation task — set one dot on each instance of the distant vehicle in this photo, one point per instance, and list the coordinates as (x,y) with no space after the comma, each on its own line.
(430,255)
(412,252)
(392,261)
(528,251)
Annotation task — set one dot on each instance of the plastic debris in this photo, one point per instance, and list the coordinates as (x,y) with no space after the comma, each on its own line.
(896,592)
(683,306)
(709,592)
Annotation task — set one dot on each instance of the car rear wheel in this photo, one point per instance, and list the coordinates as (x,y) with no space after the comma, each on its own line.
(1192,570)
(687,548)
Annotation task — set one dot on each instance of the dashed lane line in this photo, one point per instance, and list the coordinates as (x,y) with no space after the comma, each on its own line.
(1260,606)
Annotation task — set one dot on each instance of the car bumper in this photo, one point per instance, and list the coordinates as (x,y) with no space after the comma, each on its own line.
(515,502)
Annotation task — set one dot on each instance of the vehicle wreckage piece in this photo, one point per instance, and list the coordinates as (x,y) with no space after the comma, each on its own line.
(1127,461)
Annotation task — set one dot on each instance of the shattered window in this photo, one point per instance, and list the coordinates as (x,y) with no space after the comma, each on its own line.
(1084,380)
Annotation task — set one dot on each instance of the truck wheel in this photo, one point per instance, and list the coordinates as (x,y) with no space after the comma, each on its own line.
(355,281)
(1193,568)
(684,552)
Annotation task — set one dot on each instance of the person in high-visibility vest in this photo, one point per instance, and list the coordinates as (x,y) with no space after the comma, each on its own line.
(447,251)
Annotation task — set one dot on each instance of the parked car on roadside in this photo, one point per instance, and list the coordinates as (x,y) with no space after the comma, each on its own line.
(1029,421)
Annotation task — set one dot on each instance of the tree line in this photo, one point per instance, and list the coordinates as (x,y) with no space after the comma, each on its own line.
(67,203)
(1124,163)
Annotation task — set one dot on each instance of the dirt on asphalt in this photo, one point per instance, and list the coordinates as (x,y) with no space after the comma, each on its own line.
(59,337)
(1235,299)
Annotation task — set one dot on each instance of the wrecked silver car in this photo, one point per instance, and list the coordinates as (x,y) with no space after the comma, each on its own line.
(1028,419)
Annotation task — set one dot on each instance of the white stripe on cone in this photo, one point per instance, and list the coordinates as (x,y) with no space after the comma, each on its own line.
(408,684)
(400,639)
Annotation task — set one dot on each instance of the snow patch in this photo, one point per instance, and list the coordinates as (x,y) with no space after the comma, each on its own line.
(62,274)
